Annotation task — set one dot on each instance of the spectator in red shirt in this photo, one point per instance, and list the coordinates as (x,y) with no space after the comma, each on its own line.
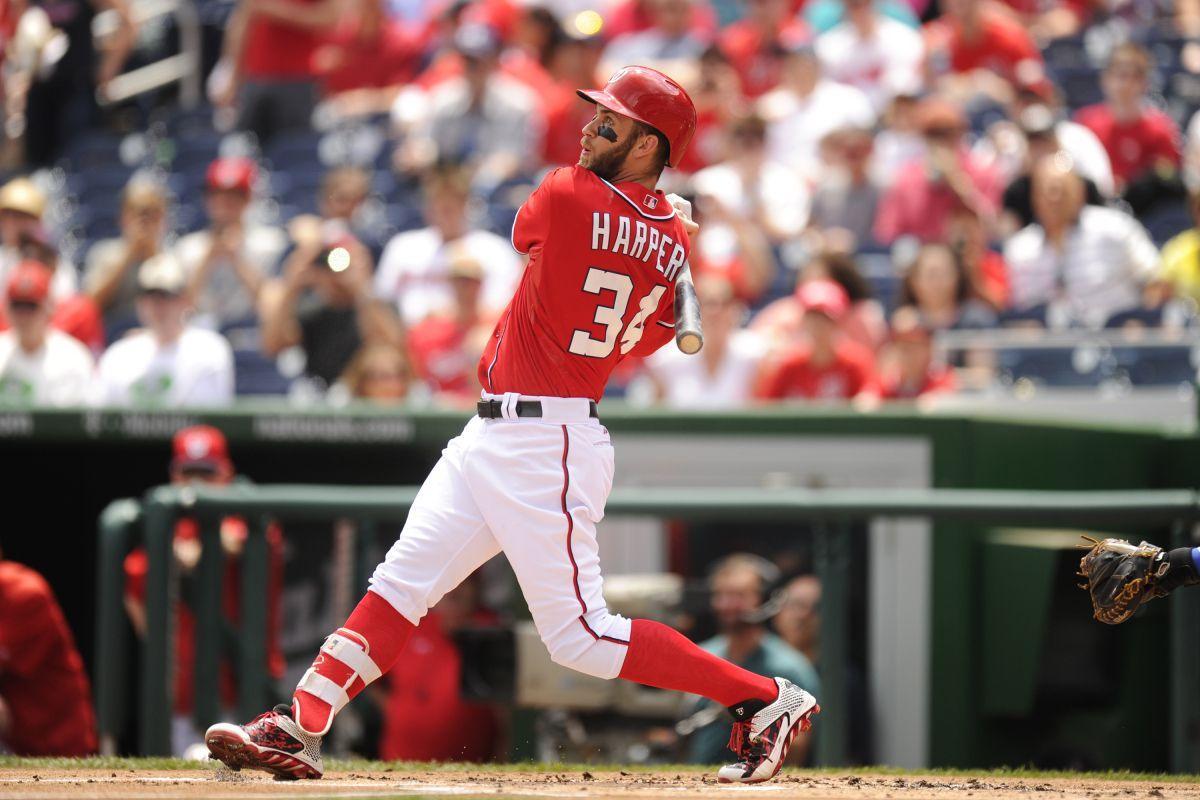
(76,315)
(201,456)
(975,35)
(826,366)
(527,31)
(757,43)
(908,370)
(1048,21)
(425,716)
(983,267)
(1138,138)
(930,189)
(268,67)
(445,346)
(23,208)
(45,698)
(366,58)
(631,16)
(863,323)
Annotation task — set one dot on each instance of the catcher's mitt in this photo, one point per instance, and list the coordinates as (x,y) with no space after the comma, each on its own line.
(1121,576)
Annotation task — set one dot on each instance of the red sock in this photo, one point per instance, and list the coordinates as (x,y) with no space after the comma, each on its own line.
(381,631)
(662,657)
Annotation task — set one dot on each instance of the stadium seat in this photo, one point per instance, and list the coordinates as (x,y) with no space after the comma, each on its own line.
(294,149)
(1069,52)
(188,216)
(117,328)
(1157,366)
(1066,366)
(256,375)
(1166,49)
(886,289)
(1164,222)
(405,216)
(92,149)
(195,148)
(1080,86)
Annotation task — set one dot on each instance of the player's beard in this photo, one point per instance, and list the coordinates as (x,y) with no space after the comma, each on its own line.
(608,165)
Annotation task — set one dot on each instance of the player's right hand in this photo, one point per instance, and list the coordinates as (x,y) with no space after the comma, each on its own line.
(683,208)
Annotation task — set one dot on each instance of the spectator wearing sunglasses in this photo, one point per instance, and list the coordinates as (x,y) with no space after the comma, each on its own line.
(39,366)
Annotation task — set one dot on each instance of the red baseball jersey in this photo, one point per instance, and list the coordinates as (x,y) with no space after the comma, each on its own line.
(42,678)
(137,565)
(599,286)
(1136,146)
(796,376)
(425,717)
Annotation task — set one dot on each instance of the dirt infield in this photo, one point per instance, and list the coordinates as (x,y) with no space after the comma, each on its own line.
(211,783)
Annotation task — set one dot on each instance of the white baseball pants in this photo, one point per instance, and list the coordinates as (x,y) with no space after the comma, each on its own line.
(535,489)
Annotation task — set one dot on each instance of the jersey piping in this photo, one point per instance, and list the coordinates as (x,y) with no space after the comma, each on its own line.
(636,207)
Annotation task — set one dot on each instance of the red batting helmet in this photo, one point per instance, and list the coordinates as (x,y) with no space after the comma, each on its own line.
(653,99)
(201,447)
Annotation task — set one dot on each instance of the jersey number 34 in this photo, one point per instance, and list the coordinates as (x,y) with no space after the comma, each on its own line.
(613,317)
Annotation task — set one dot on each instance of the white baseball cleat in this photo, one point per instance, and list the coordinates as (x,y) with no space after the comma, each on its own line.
(762,741)
(271,742)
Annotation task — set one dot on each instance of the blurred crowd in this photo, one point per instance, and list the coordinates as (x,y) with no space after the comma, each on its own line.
(868,175)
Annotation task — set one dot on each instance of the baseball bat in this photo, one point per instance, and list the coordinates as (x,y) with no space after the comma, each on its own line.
(689,335)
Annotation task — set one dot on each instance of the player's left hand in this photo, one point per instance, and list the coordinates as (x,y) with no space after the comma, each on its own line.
(683,208)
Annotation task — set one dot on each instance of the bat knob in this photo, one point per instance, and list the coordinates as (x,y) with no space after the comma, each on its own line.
(690,343)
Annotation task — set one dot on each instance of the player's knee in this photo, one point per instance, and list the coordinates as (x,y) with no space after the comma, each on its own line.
(595,646)
(411,600)
(587,658)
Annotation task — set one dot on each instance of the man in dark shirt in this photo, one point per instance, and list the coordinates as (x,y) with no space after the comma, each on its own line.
(323,301)
(739,586)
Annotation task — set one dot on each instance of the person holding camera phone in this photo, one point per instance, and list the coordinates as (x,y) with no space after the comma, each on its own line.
(227,262)
(323,301)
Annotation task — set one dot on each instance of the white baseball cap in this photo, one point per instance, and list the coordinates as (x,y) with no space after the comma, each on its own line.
(162,273)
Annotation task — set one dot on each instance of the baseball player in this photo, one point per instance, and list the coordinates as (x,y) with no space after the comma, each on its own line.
(530,474)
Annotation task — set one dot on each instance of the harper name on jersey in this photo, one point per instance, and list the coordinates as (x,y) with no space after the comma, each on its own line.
(599,286)
(637,240)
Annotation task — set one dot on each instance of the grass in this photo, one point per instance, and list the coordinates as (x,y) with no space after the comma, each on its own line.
(123,764)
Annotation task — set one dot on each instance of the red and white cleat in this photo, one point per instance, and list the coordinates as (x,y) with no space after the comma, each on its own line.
(762,741)
(271,742)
